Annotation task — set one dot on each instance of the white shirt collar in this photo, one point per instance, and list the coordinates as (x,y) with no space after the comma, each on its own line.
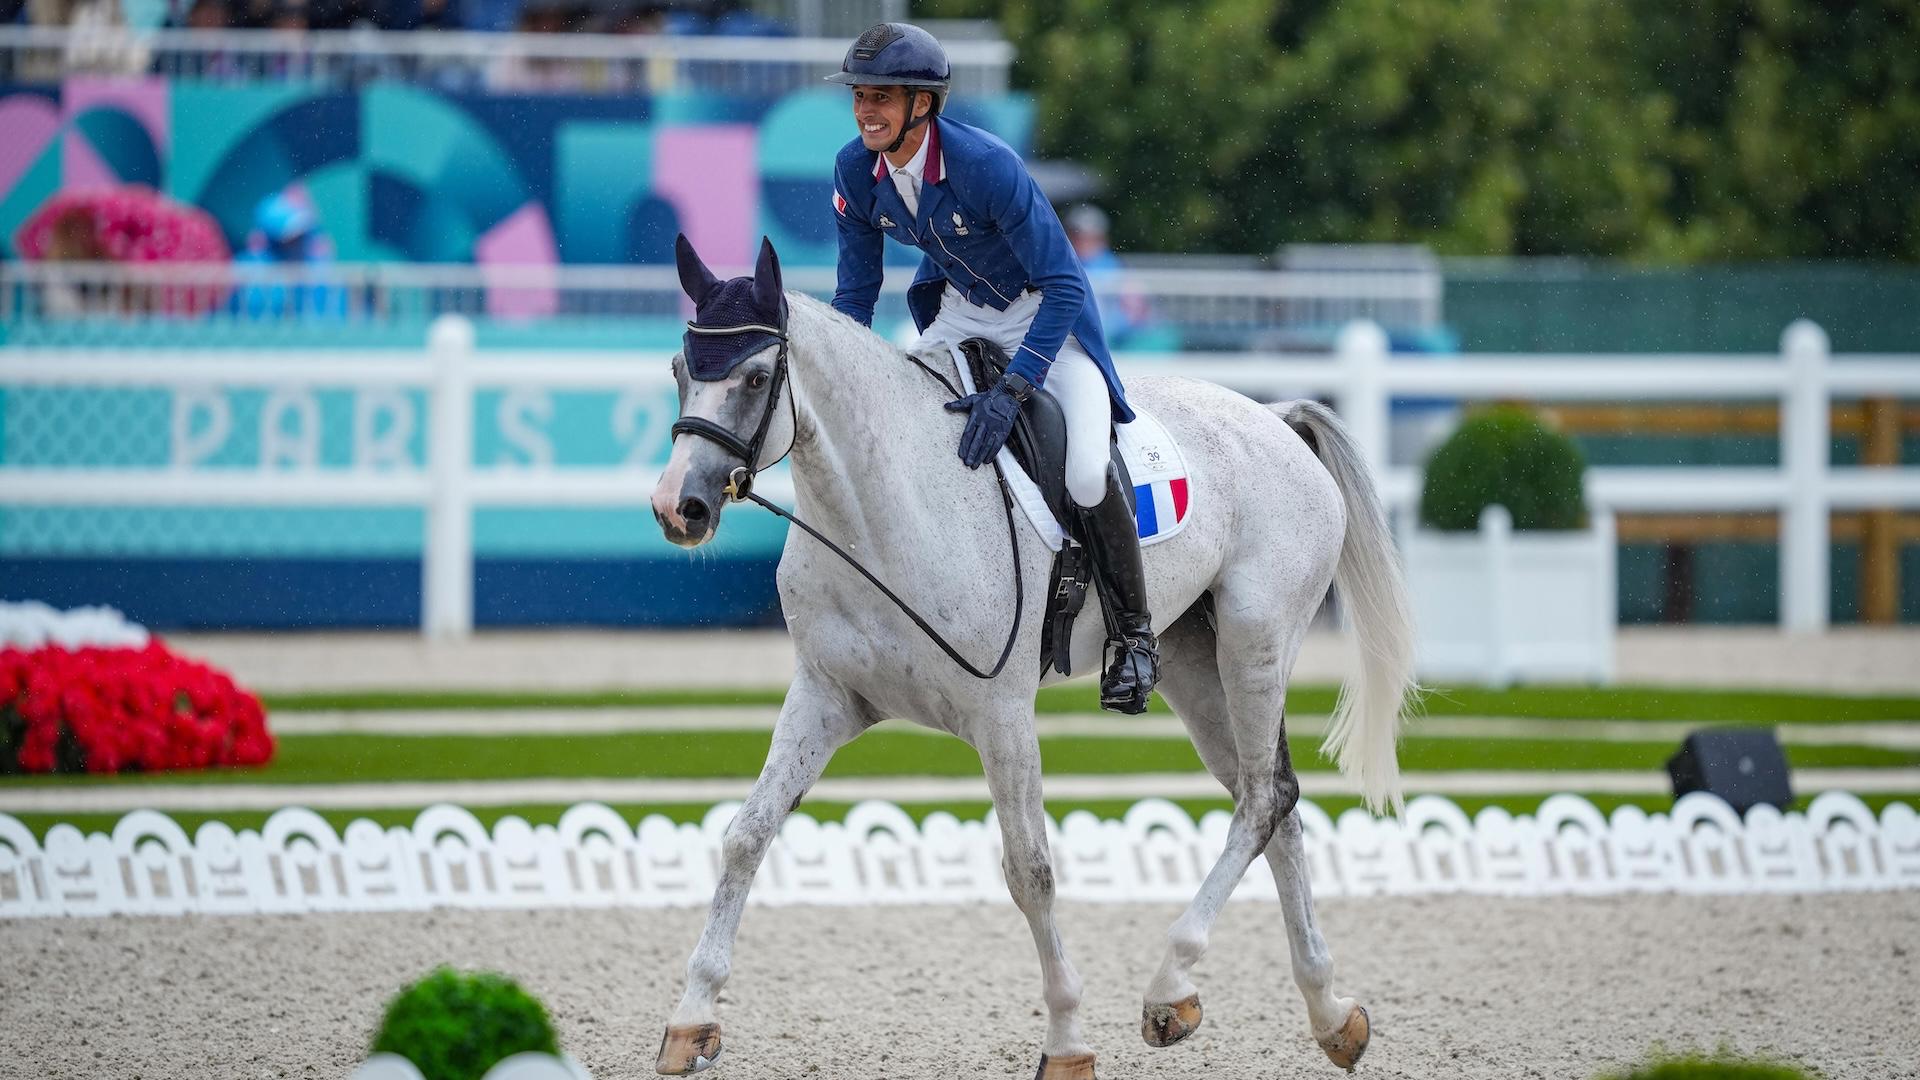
(917,167)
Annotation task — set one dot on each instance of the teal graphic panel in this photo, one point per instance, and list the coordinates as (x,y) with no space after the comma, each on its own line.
(395,171)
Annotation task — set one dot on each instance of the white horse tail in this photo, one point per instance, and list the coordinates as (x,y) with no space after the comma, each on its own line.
(1365,728)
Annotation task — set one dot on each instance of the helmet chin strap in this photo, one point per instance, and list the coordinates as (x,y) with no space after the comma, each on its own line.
(912,123)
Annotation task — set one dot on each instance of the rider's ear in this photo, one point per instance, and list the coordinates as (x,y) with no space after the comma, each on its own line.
(694,275)
(766,278)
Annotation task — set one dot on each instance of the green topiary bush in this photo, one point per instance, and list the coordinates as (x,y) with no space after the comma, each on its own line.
(1721,1066)
(455,1025)
(1505,455)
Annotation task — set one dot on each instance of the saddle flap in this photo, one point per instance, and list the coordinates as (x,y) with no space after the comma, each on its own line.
(1039,439)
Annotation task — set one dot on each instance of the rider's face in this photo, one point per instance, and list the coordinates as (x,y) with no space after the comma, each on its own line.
(881,111)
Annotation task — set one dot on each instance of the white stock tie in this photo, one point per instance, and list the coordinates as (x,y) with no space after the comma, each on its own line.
(909,187)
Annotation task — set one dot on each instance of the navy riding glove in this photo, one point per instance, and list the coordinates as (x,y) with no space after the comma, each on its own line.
(990,416)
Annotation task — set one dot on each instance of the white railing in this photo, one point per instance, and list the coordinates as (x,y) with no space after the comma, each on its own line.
(297,862)
(577,63)
(1243,306)
(1360,377)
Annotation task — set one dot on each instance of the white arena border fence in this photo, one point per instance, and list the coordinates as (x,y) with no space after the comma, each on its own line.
(1251,304)
(879,856)
(1360,377)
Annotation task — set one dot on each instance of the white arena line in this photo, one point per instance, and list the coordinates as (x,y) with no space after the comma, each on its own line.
(120,798)
(1896,735)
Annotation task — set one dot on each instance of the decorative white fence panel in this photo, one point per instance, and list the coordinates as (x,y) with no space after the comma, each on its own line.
(878,855)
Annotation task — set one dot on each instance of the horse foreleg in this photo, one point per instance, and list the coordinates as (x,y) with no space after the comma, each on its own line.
(1012,766)
(814,722)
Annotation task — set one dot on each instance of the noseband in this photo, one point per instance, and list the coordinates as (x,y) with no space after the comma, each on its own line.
(740,480)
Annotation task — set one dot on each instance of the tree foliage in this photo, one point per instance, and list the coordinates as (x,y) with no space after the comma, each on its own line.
(1713,129)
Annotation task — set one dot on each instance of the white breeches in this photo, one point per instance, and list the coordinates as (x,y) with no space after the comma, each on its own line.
(1074,380)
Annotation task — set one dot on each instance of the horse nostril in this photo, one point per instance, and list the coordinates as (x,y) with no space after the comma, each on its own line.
(693,511)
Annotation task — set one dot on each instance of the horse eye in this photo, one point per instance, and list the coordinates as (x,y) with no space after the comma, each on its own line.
(760,379)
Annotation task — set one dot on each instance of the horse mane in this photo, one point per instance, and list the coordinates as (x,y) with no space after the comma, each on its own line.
(883,360)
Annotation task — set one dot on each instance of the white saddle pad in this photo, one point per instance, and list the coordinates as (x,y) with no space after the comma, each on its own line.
(1159,472)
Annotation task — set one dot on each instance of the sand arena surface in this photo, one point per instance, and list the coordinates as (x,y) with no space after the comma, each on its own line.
(1457,986)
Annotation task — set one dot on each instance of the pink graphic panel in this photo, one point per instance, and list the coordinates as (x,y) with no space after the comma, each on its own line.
(30,122)
(517,260)
(145,100)
(711,176)
(81,167)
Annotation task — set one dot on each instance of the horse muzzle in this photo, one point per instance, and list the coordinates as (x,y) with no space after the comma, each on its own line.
(685,520)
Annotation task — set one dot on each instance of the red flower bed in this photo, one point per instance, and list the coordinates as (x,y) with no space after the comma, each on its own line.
(104,710)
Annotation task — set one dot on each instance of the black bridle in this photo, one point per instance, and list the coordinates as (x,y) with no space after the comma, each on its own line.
(740,488)
(740,480)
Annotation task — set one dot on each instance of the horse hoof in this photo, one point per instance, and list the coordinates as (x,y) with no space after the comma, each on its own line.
(1349,1040)
(1164,1025)
(689,1049)
(1070,1067)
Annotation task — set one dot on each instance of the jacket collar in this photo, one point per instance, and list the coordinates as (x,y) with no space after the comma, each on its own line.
(935,169)
(933,192)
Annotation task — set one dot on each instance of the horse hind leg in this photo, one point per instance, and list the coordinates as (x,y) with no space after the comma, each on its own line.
(1229,687)
(1191,684)
(814,722)
(1340,1025)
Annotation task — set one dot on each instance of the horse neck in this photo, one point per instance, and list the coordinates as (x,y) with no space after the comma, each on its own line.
(870,426)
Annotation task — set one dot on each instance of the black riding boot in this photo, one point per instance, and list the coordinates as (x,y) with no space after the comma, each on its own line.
(1133,659)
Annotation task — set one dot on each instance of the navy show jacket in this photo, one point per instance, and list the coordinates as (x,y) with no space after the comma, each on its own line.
(984,227)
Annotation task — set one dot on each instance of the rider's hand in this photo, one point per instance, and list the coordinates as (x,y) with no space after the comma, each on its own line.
(990,416)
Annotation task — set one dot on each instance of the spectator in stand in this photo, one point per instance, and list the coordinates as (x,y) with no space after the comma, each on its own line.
(644,73)
(282,271)
(290,15)
(1124,311)
(517,71)
(209,15)
(92,48)
(637,18)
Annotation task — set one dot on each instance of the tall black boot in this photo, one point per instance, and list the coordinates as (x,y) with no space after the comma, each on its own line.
(1133,658)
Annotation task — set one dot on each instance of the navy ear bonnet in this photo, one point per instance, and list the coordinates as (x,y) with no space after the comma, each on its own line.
(743,305)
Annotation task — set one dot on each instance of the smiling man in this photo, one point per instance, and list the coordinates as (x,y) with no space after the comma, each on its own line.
(997,265)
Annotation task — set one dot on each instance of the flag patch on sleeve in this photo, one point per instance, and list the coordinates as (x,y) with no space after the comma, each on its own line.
(839,204)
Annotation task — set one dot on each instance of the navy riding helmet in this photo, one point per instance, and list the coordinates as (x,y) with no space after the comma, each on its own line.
(898,54)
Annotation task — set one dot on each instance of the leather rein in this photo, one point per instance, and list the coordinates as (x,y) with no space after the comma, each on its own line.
(740,489)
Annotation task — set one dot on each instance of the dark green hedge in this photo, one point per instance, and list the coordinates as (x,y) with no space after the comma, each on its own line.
(1505,455)
(456,1025)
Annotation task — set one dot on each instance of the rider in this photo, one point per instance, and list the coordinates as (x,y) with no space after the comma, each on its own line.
(996,265)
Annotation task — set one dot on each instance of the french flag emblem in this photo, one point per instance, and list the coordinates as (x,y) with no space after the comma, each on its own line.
(1160,506)
(839,204)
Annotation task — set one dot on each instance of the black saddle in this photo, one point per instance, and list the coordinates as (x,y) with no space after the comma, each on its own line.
(1039,444)
(1039,439)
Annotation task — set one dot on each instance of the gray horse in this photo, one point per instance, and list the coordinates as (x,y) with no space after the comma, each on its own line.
(1282,506)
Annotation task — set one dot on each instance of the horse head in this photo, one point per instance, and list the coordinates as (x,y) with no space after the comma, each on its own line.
(732,374)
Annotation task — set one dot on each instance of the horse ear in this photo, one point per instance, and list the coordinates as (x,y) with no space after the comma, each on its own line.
(694,275)
(766,278)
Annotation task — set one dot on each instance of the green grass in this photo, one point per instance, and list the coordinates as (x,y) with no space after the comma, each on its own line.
(362,758)
(1721,1066)
(549,814)
(1539,702)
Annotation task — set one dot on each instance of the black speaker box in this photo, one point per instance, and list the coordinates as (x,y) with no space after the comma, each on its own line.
(1744,766)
